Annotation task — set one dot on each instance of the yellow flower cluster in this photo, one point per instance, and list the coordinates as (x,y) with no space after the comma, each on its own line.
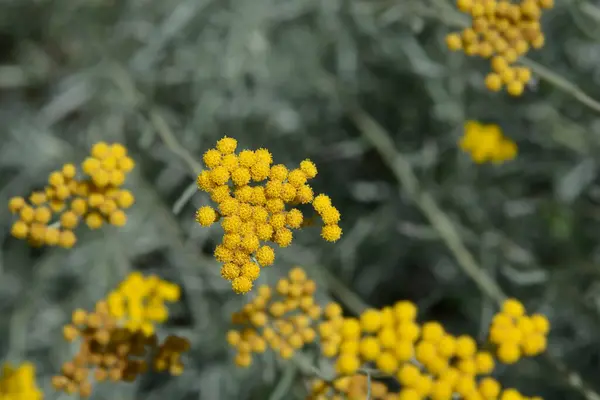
(427,361)
(517,334)
(253,214)
(19,383)
(503,31)
(112,348)
(486,143)
(281,319)
(50,216)
(139,302)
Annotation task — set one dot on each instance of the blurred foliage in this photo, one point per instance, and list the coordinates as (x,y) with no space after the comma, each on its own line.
(305,78)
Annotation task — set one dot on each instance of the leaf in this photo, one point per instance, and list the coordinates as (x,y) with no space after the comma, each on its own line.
(573,182)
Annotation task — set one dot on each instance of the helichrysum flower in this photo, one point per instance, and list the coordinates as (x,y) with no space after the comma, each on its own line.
(501,31)
(140,302)
(116,340)
(427,361)
(486,143)
(19,383)
(516,334)
(50,216)
(281,318)
(257,204)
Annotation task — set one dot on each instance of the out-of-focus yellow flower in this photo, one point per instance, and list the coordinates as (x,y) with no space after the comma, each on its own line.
(94,197)
(139,301)
(502,32)
(19,383)
(486,143)
(515,334)
(279,318)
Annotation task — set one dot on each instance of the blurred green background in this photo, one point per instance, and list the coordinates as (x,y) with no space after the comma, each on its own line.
(366,89)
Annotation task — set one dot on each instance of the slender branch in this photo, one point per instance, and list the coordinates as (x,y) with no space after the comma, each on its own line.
(285,383)
(164,131)
(185,197)
(562,83)
(402,170)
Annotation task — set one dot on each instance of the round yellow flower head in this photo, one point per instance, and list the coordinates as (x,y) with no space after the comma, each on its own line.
(118,218)
(250,270)
(330,215)
(219,175)
(369,348)
(230,161)
(297,178)
(226,145)
(264,156)
(66,239)
(283,237)
(241,176)
(246,158)
(265,256)
(513,308)
(212,158)
(370,320)
(321,203)
(100,150)
(20,230)
(308,168)
(331,233)
(260,171)
(241,285)
(347,364)
(230,271)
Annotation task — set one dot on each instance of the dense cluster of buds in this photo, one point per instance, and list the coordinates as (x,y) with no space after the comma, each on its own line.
(121,345)
(503,31)
(51,215)
(254,216)
(282,319)
(426,361)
